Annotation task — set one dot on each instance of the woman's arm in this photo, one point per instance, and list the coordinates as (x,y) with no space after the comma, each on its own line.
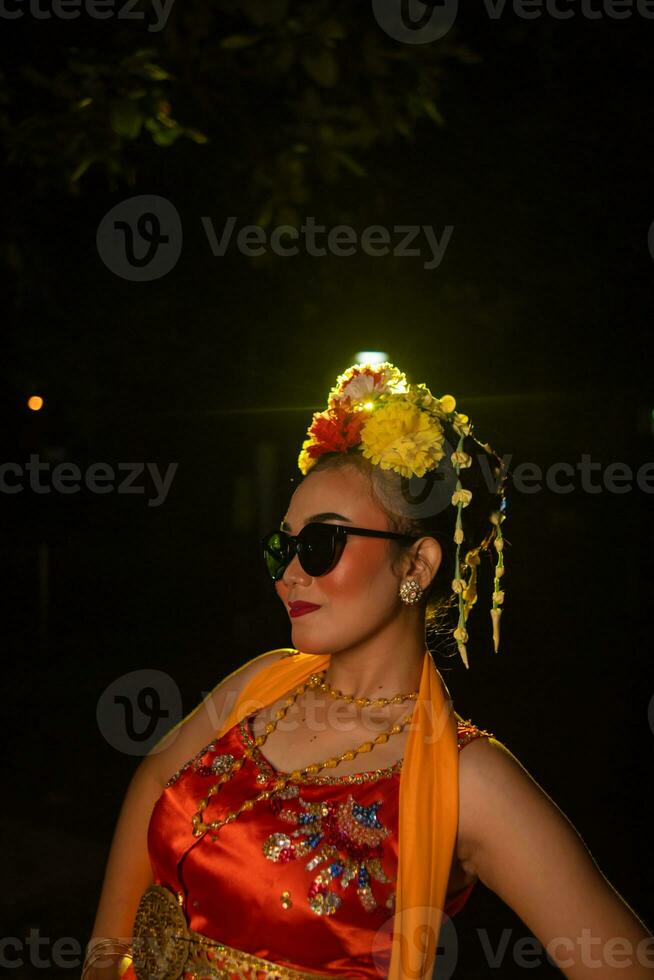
(514,838)
(128,871)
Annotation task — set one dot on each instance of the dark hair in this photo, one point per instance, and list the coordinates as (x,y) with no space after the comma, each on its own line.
(422,506)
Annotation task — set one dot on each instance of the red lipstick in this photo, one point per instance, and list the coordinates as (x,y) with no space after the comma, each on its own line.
(300,608)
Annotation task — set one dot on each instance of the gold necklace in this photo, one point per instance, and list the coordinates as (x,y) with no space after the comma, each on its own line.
(320,683)
(200,827)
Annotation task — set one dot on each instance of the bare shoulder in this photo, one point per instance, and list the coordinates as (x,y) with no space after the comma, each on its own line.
(500,802)
(199,728)
(487,770)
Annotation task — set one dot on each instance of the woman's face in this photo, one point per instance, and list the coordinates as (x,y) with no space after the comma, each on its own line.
(359,596)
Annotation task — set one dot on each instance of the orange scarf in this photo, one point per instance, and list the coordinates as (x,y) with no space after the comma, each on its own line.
(429,804)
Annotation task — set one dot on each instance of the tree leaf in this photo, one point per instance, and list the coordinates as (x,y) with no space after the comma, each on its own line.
(261,12)
(155,72)
(235,41)
(321,68)
(196,136)
(81,169)
(126,119)
(352,165)
(166,136)
(432,111)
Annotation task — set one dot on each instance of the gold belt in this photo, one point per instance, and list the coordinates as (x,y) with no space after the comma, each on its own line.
(164,948)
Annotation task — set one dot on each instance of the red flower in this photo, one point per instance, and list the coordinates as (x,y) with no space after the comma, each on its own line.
(335,431)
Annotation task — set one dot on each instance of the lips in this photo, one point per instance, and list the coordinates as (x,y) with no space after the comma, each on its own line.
(300,608)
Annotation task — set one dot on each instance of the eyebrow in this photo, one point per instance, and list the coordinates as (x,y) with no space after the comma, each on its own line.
(326,516)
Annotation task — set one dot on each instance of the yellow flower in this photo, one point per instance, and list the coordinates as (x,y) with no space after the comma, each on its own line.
(495,616)
(470,595)
(461,634)
(363,383)
(447,403)
(458,585)
(498,598)
(464,654)
(461,425)
(304,460)
(464,460)
(461,496)
(400,437)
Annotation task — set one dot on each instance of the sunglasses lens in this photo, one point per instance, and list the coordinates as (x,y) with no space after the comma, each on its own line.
(317,548)
(275,553)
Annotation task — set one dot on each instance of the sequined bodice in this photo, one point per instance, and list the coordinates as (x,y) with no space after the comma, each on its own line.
(306,878)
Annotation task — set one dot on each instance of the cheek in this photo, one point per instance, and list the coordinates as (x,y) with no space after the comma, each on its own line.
(363,567)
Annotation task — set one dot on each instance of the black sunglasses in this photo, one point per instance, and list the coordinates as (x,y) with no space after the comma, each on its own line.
(318,547)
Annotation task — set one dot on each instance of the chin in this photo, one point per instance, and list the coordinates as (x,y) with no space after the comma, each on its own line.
(303,641)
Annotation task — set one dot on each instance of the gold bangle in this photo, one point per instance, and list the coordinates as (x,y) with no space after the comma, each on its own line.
(105,947)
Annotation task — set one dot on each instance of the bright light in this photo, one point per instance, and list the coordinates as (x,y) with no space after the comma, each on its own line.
(371,356)
(35,402)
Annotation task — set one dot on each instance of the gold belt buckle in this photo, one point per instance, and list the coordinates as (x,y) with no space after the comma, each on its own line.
(160,946)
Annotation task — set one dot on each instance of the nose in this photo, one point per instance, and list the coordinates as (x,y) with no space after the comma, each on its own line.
(294,573)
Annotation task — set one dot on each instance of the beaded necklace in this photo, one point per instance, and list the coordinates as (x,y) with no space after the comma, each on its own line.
(200,827)
(319,682)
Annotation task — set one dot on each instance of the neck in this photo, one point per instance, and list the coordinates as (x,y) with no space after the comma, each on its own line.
(378,669)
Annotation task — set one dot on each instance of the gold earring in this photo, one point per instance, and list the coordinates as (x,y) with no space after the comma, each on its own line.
(410,592)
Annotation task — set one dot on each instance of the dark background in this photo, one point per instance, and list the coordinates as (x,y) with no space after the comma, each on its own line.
(537,320)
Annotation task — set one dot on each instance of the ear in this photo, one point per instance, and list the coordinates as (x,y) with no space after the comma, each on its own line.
(423,561)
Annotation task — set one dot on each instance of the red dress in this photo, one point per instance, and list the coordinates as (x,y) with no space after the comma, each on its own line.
(305,879)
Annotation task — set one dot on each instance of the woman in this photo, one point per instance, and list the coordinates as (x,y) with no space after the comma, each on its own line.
(311,857)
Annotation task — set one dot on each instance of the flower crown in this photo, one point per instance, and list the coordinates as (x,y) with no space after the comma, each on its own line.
(399,426)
